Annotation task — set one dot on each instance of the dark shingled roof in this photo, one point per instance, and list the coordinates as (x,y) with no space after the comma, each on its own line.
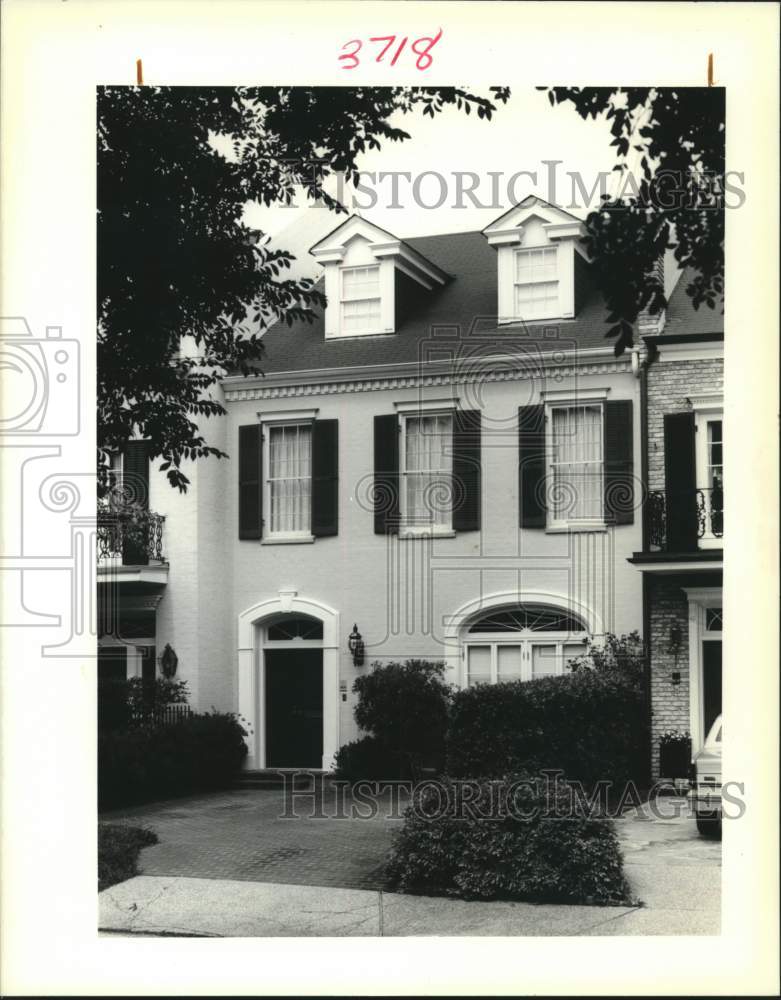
(467,302)
(683,318)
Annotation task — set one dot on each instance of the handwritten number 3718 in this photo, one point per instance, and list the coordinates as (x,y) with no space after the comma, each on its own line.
(420,46)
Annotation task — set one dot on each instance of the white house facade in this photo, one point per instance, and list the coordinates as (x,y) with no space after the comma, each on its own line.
(445,465)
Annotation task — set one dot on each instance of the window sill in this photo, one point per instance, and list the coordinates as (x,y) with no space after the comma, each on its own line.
(288,540)
(575,526)
(426,533)
(712,542)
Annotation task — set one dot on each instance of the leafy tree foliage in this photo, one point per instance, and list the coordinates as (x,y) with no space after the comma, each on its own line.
(677,203)
(174,258)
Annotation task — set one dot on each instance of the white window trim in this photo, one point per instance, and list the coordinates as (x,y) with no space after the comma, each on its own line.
(422,407)
(574,524)
(699,598)
(366,330)
(557,311)
(525,638)
(417,531)
(706,408)
(565,269)
(333,293)
(300,418)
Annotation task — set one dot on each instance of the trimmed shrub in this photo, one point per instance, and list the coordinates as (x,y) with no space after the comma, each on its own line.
(404,708)
(369,760)
(590,723)
(200,753)
(515,838)
(118,850)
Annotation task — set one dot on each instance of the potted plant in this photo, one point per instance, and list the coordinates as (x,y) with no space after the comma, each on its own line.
(675,754)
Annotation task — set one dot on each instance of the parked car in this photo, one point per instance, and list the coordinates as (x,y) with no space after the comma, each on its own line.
(705,784)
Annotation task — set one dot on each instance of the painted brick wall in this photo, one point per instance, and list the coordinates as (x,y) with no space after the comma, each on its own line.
(670,383)
(401,592)
(194,615)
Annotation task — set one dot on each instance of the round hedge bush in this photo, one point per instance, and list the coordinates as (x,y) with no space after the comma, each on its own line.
(520,837)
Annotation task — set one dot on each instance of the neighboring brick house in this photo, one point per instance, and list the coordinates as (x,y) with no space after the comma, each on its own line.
(681,558)
(448,458)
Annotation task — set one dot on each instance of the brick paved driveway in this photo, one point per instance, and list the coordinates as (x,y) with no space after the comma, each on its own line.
(242,834)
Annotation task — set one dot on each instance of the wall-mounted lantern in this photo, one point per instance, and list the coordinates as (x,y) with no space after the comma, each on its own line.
(355,645)
(168,661)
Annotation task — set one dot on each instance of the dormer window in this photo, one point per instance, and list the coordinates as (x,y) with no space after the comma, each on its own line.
(366,270)
(542,267)
(361,301)
(536,283)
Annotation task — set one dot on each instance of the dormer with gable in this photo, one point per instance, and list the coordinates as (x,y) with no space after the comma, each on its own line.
(372,279)
(542,265)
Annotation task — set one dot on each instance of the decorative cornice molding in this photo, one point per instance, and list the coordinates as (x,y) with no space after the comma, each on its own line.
(476,374)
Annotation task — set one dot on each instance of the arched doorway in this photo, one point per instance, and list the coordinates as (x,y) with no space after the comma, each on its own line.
(288,683)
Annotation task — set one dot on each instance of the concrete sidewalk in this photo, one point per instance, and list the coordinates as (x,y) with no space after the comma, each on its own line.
(224,908)
(228,865)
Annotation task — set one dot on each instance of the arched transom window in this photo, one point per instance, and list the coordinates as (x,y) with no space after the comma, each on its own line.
(294,628)
(521,643)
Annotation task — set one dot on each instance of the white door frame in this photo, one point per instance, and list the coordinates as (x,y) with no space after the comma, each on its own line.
(700,599)
(250,686)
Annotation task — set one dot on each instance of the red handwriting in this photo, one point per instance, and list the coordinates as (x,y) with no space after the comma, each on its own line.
(420,46)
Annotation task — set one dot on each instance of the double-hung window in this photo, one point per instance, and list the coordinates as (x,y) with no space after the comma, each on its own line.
(710,477)
(360,300)
(576,454)
(536,283)
(289,480)
(427,470)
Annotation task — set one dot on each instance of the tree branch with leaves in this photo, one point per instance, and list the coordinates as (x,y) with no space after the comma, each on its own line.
(175,260)
(676,135)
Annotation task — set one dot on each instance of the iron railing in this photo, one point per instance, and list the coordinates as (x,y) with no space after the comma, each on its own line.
(130,534)
(680,520)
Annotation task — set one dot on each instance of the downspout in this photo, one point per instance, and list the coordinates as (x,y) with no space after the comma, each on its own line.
(641,359)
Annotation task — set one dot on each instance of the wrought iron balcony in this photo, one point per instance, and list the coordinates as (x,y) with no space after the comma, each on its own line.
(685,520)
(129,535)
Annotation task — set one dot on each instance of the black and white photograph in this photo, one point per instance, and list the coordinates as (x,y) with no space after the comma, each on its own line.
(399,576)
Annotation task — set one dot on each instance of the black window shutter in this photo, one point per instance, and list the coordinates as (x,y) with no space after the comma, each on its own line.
(619,482)
(531,465)
(680,482)
(250,481)
(466,470)
(135,489)
(386,474)
(135,473)
(325,478)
